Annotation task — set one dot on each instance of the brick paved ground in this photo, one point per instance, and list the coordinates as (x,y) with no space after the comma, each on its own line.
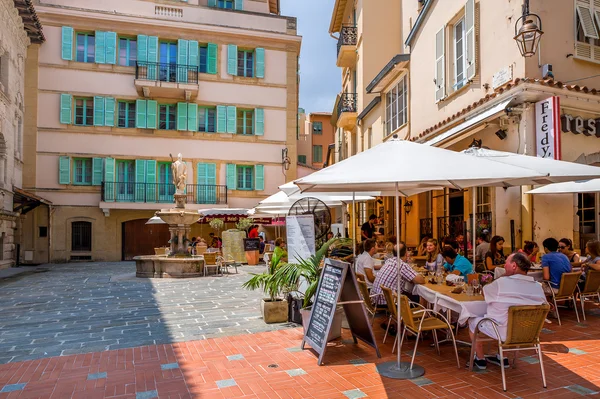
(91,307)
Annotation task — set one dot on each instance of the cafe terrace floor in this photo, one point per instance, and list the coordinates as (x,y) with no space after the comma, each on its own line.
(271,365)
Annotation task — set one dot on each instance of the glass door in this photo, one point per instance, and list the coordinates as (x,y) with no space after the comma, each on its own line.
(166,189)
(125,181)
(168,62)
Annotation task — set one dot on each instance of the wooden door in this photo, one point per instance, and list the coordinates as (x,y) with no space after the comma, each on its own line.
(140,238)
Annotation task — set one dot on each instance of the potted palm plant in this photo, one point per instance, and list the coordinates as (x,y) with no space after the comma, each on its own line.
(272,308)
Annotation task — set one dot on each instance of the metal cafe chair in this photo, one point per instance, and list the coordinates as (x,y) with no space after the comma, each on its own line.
(523,333)
(391,299)
(590,289)
(566,292)
(210,261)
(368,298)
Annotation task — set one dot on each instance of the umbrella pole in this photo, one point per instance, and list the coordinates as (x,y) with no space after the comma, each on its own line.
(397,369)
(354,223)
(474,231)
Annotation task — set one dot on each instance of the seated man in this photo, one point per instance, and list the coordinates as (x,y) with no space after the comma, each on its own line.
(365,264)
(261,245)
(515,288)
(554,264)
(388,276)
(456,263)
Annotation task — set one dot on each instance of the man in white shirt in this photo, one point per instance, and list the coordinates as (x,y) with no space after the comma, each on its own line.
(515,288)
(365,264)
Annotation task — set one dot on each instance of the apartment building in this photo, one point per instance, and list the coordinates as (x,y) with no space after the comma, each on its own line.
(124,86)
(317,134)
(19,30)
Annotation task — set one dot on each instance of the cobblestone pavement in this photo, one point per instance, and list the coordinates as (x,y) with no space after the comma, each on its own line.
(91,307)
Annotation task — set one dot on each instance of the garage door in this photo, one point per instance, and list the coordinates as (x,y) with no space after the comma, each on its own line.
(140,238)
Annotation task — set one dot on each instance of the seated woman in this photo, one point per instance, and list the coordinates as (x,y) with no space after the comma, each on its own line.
(495,256)
(279,254)
(422,248)
(565,246)
(530,249)
(434,259)
(592,248)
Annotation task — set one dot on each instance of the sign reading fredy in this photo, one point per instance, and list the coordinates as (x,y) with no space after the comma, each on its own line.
(547,128)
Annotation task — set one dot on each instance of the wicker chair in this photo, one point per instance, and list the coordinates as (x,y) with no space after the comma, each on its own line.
(391,299)
(566,292)
(368,299)
(226,264)
(426,323)
(591,288)
(523,333)
(210,261)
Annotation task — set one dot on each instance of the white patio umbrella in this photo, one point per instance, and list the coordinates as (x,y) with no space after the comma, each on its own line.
(404,166)
(572,187)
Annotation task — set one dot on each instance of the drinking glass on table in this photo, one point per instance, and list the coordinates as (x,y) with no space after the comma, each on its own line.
(476,286)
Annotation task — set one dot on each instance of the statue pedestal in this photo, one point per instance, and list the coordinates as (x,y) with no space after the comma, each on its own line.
(180,201)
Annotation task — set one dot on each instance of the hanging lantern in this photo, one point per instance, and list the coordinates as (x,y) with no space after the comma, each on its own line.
(528,32)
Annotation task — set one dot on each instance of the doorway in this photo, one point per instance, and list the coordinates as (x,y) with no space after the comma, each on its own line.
(139,238)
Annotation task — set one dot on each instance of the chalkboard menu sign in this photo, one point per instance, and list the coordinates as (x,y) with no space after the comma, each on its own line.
(337,282)
(251,244)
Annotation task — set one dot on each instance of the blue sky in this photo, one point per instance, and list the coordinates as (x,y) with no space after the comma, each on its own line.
(319,76)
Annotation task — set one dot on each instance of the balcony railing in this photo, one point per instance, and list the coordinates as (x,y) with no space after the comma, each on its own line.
(348,37)
(174,73)
(449,226)
(426,228)
(161,193)
(347,103)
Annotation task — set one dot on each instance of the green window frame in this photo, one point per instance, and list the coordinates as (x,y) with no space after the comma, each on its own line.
(245,121)
(127,51)
(226,4)
(82,171)
(126,117)
(317,153)
(245,65)
(302,159)
(84,111)
(245,177)
(207,119)
(317,127)
(85,47)
(167,116)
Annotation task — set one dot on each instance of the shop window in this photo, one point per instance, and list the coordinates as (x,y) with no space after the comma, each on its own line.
(81,236)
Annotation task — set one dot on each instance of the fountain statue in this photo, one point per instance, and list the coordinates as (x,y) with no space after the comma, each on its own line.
(179,262)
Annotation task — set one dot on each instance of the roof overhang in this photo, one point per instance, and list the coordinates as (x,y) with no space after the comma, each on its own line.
(369,108)
(337,16)
(415,29)
(389,73)
(24,202)
(31,22)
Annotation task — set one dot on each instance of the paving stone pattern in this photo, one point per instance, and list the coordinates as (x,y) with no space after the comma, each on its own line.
(92,307)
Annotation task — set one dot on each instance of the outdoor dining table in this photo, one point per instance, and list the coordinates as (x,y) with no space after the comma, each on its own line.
(442,298)
(536,272)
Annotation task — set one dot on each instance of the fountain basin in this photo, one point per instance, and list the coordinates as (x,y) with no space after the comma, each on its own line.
(162,266)
(175,216)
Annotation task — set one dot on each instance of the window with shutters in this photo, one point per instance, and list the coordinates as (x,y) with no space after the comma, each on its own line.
(396,102)
(317,153)
(81,236)
(167,116)
(317,127)
(84,111)
(82,171)
(245,177)
(226,4)
(302,159)
(245,66)
(127,51)
(207,119)
(86,47)
(126,114)
(458,47)
(203,59)
(587,32)
(245,121)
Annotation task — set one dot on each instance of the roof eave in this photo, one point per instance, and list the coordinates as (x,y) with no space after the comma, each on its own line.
(415,29)
(336,23)
(399,62)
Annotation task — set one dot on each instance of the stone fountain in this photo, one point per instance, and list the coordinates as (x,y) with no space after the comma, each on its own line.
(179,263)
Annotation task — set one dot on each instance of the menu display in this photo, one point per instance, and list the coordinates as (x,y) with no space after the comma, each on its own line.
(324,305)
(300,237)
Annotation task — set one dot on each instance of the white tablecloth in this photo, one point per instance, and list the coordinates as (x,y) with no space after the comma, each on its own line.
(538,275)
(443,302)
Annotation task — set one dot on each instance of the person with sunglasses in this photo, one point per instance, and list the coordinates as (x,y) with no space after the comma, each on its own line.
(565,246)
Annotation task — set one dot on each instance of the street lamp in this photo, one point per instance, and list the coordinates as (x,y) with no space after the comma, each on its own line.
(528,32)
(408,207)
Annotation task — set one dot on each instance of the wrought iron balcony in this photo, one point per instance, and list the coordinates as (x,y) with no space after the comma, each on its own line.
(426,227)
(346,46)
(450,226)
(174,73)
(161,193)
(347,111)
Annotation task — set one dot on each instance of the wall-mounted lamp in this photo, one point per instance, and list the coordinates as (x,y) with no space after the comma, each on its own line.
(379,201)
(501,134)
(408,206)
(285,160)
(528,32)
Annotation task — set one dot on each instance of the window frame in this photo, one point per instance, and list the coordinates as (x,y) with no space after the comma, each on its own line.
(396,118)
(81,246)
(245,73)
(242,117)
(222,4)
(315,158)
(302,159)
(206,118)
(457,85)
(129,53)
(244,169)
(203,48)
(129,119)
(317,131)
(86,163)
(86,56)
(86,109)
(170,108)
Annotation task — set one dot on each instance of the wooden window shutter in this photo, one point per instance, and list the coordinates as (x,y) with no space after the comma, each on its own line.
(221,119)
(259,122)
(212,49)
(64,170)
(97,170)
(140,180)
(182,60)
(587,20)
(193,53)
(109,179)
(238,4)
(142,48)
(66,111)
(67,43)
(100,47)
(231,176)
(150,180)
(140,114)
(192,114)
(259,177)
(232,59)
(98,111)
(152,49)
(470,37)
(152,111)
(440,64)
(109,111)
(212,3)
(182,116)
(260,62)
(111,47)
(231,119)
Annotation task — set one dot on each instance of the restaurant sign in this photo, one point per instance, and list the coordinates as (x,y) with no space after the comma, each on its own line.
(235,219)
(547,128)
(579,125)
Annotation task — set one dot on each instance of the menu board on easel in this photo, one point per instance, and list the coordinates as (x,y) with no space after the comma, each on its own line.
(300,236)
(337,285)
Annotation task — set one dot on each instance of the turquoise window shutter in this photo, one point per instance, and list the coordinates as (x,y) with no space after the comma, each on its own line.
(67,43)
(182,116)
(140,114)
(221,119)
(201,183)
(212,3)
(211,181)
(109,111)
(231,119)
(98,111)
(232,59)
(259,177)
(151,180)
(140,180)
(64,170)
(182,60)
(97,169)
(211,50)
(260,62)
(152,111)
(192,122)
(66,112)
(238,4)
(152,57)
(231,176)
(193,53)
(142,48)
(259,121)
(109,179)
(100,47)
(111,47)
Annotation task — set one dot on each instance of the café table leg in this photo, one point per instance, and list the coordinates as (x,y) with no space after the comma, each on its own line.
(449,335)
